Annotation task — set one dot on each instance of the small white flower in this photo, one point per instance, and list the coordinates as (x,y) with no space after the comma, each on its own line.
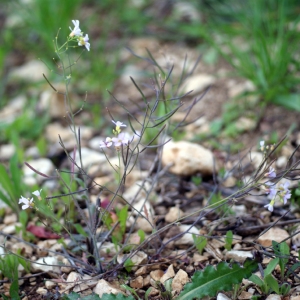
(83,41)
(118,127)
(270,206)
(76,31)
(37,193)
(27,203)
(119,124)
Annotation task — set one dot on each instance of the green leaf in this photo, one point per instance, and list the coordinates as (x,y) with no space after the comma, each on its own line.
(14,290)
(107,219)
(41,144)
(228,240)
(23,218)
(75,296)
(293,268)
(116,297)
(290,101)
(200,242)
(12,263)
(211,280)
(211,56)
(141,234)
(285,289)
(22,261)
(130,289)
(16,174)
(216,126)
(80,230)
(284,249)
(281,250)
(122,216)
(6,184)
(271,266)
(255,279)
(272,283)
(147,293)
(128,264)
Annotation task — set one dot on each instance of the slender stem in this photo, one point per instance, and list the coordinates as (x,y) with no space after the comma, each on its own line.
(70,114)
(119,169)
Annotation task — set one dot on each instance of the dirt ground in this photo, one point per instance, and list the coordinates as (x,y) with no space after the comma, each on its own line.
(181,191)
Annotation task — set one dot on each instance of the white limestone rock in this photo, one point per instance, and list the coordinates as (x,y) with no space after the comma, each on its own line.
(222,296)
(188,158)
(138,259)
(15,106)
(32,71)
(89,157)
(187,238)
(174,214)
(7,151)
(274,234)
(103,287)
(238,256)
(180,279)
(199,82)
(46,264)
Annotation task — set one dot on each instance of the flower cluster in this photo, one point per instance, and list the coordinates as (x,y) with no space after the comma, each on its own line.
(276,190)
(28,203)
(120,138)
(77,34)
(265,148)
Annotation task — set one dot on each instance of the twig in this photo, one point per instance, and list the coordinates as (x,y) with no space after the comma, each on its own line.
(253,229)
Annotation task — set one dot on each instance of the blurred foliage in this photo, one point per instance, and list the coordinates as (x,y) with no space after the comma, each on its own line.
(38,22)
(110,26)
(9,268)
(19,127)
(11,184)
(260,40)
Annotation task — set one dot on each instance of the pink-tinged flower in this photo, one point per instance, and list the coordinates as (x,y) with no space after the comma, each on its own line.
(107,143)
(37,193)
(270,206)
(83,41)
(102,144)
(271,173)
(285,193)
(130,138)
(285,186)
(27,203)
(286,197)
(271,190)
(121,139)
(76,31)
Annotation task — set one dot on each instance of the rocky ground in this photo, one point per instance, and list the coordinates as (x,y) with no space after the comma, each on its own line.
(168,195)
